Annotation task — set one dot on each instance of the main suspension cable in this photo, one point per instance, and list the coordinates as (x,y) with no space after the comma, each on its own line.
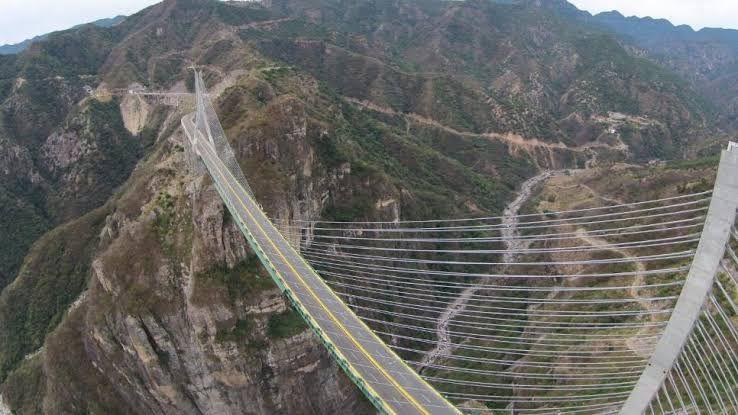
(651,243)
(563,212)
(556,236)
(523,225)
(333,261)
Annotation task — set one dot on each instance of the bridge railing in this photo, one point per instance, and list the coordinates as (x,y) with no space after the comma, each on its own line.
(519,303)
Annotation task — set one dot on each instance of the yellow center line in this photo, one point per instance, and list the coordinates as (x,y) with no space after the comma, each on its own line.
(399,387)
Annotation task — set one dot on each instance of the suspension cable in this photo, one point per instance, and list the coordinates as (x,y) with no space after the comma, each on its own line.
(483,310)
(618,231)
(591,365)
(671,241)
(576,354)
(433,295)
(563,212)
(645,258)
(340,264)
(559,337)
(593,326)
(524,225)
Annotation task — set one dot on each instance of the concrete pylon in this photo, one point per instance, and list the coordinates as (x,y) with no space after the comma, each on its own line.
(710,251)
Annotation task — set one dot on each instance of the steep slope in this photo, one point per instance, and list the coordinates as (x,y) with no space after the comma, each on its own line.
(62,154)
(707,58)
(531,70)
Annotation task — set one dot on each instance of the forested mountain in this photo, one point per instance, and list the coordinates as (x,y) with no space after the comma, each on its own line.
(126,288)
(707,58)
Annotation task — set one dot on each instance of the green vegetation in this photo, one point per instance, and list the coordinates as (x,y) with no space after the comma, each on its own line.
(24,388)
(80,51)
(286,324)
(244,280)
(329,152)
(165,216)
(450,95)
(710,161)
(419,162)
(701,185)
(165,68)
(216,52)
(104,125)
(289,29)
(27,210)
(273,75)
(239,332)
(358,206)
(21,223)
(238,15)
(54,274)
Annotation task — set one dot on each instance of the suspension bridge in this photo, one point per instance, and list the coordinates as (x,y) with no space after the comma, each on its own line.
(618,309)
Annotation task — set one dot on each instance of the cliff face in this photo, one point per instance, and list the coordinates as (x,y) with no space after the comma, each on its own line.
(179,316)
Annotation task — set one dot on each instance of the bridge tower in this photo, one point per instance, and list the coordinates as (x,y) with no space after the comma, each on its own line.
(720,219)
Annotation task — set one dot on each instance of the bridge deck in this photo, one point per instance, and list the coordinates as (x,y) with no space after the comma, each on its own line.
(391,385)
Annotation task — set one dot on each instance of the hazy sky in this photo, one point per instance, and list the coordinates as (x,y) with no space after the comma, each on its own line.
(696,13)
(22,19)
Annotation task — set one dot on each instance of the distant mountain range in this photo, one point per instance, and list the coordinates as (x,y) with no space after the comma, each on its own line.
(706,58)
(10,49)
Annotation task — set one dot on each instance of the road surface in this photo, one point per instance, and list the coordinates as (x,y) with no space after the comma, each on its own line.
(388,382)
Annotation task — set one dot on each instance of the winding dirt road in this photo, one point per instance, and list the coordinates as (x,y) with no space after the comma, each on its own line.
(636,343)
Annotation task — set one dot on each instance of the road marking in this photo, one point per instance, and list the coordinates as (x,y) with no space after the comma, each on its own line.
(416,377)
(320,302)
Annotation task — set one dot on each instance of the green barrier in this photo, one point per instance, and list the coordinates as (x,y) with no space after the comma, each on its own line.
(287,292)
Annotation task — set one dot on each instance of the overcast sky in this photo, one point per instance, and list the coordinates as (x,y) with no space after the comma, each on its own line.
(22,19)
(696,13)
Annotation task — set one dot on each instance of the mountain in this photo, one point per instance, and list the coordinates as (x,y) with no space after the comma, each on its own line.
(707,58)
(126,286)
(10,49)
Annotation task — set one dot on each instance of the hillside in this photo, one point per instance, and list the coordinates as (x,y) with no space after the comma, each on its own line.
(126,288)
(707,58)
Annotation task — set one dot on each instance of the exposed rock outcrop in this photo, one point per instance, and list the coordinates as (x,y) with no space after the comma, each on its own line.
(135,112)
(181,318)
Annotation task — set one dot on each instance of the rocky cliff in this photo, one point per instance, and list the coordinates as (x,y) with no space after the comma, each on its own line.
(179,317)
